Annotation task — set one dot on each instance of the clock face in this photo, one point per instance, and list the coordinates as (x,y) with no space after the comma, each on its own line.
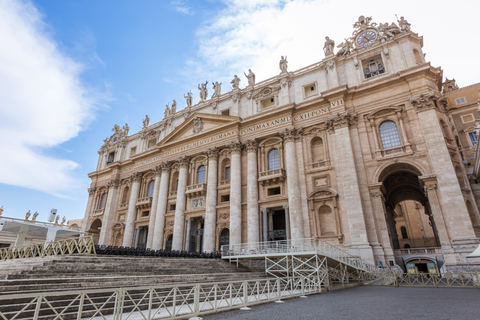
(366,38)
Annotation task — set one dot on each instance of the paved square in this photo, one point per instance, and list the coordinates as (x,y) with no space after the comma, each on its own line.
(370,303)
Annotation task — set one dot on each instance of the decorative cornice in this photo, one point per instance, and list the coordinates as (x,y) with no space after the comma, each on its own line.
(290,134)
(234,146)
(341,120)
(251,145)
(212,153)
(428,101)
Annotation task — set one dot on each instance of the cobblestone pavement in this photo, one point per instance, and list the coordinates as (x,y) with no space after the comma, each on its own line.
(370,303)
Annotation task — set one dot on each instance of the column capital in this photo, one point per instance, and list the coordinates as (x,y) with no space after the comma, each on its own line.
(429,187)
(212,153)
(264,210)
(114,183)
(426,101)
(165,166)
(234,146)
(285,206)
(136,177)
(157,170)
(92,190)
(290,134)
(341,120)
(251,145)
(183,161)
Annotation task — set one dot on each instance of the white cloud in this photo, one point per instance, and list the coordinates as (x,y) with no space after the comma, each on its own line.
(42,102)
(181,7)
(255,33)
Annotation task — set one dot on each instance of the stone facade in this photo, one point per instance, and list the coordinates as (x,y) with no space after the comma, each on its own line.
(333,151)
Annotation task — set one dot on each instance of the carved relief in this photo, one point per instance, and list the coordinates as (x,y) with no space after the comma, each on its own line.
(114,183)
(234,146)
(212,153)
(136,177)
(251,145)
(423,102)
(290,134)
(341,120)
(197,125)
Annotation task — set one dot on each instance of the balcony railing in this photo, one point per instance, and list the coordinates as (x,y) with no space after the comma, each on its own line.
(143,203)
(271,176)
(196,190)
(324,164)
(98,212)
(417,251)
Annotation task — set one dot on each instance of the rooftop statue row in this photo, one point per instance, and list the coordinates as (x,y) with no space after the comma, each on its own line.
(365,34)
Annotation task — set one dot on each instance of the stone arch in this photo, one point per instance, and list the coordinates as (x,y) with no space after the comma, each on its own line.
(317,149)
(95,228)
(223,238)
(391,166)
(326,220)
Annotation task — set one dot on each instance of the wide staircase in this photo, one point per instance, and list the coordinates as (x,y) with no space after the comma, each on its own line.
(90,272)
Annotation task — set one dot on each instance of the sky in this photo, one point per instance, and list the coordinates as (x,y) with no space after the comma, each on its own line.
(72,69)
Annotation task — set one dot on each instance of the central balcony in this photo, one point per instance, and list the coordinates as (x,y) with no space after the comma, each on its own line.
(271,177)
(196,190)
(144,203)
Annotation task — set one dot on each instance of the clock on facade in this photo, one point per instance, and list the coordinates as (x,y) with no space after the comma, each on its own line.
(366,38)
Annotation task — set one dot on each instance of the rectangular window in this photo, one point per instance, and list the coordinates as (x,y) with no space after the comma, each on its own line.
(226,112)
(225,198)
(373,66)
(145,213)
(111,157)
(473,138)
(461,100)
(267,103)
(274,191)
(133,151)
(310,90)
(227,173)
(152,143)
(172,207)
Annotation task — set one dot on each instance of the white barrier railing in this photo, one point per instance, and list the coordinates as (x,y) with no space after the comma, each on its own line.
(161,302)
(295,247)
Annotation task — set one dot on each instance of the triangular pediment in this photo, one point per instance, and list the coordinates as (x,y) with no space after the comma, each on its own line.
(196,125)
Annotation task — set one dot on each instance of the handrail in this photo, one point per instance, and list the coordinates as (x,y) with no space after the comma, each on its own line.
(296,246)
(83,245)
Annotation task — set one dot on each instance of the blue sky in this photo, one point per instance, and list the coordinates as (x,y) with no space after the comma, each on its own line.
(71,69)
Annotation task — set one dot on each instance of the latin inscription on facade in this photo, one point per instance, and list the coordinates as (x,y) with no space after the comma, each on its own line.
(311,114)
(265,125)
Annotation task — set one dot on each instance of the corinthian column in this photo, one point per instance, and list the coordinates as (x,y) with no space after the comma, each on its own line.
(108,216)
(211,201)
(161,207)
(178,227)
(132,212)
(253,230)
(235,193)
(88,210)
(294,202)
(153,209)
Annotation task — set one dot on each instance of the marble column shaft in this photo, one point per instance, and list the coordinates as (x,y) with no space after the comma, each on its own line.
(189,230)
(287,222)
(253,227)
(106,230)
(153,209)
(265,224)
(378,203)
(132,211)
(179,224)
(88,210)
(161,210)
(294,202)
(236,195)
(211,202)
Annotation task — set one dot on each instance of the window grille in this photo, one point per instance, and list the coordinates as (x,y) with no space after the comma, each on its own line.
(201,174)
(473,138)
(389,135)
(273,159)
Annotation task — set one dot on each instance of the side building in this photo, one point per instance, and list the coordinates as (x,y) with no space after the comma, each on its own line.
(357,150)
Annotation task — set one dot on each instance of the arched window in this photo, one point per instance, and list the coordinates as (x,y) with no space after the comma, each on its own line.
(318,152)
(389,135)
(404,232)
(273,159)
(201,174)
(102,201)
(406,246)
(225,174)
(174,183)
(151,185)
(125,195)
(326,219)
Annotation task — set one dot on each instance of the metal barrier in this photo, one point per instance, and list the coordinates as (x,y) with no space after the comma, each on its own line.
(160,302)
(299,246)
(83,245)
(446,280)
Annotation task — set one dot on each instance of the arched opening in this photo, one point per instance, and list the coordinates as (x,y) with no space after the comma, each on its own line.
(195,242)
(201,174)
(174,182)
(225,167)
(317,149)
(151,186)
(389,135)
(74,227)
(103,198)
(277,226)
(125,195)
(408,215)
(95,228)
(168,243)
(326,220)
(224,238)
